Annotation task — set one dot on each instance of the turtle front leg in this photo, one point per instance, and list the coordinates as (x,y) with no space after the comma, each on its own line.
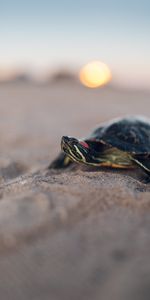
(61,162)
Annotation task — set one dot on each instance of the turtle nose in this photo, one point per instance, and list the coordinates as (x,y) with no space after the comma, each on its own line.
(68,141)
(65,142)
(65,139)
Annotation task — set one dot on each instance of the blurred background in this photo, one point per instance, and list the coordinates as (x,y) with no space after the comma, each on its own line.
(41,37)
(66,66)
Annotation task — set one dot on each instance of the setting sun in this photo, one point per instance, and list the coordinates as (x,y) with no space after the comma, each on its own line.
(95,74)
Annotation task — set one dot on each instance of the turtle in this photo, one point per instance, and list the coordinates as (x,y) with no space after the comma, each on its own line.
(119,143)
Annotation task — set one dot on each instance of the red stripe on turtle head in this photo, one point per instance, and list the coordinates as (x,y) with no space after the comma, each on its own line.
(84,144)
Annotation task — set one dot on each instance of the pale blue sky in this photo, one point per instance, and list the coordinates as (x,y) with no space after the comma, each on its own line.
(47,34)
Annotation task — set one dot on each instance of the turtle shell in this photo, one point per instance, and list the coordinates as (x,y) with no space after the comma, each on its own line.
(130,134)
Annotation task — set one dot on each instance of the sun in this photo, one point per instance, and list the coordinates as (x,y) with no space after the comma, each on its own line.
(95,74)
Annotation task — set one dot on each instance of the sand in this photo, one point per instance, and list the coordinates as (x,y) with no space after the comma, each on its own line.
(81,233)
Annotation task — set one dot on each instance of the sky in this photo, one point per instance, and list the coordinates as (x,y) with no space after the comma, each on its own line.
(40,35)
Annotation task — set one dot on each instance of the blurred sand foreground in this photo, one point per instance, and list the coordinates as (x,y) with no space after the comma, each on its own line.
(74,234)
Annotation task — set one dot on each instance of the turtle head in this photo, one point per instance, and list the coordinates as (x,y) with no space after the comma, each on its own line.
(79,151)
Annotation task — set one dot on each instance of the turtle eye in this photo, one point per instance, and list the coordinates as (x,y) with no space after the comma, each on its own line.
(84,144)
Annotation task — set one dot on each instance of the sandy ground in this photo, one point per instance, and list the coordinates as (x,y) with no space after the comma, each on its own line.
(75,234)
